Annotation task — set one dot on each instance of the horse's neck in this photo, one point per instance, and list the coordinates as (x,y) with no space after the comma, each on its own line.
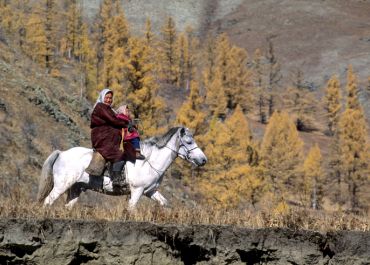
(166,155)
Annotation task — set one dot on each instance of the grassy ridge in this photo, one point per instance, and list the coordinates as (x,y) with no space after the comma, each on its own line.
(18,205)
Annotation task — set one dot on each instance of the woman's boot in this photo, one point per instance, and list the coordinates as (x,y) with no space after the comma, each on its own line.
(118,180)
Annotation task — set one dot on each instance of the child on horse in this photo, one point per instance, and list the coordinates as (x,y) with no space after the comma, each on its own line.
(130,133)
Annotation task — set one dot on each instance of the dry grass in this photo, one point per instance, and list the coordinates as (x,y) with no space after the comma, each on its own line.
(19,206)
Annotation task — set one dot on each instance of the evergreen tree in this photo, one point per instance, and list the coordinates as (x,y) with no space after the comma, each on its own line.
(313,179)
(281,153)
(332,104)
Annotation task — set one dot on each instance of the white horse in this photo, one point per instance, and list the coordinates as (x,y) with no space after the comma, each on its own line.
(143,176)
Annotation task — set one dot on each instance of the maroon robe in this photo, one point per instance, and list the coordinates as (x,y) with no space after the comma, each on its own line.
(106,134)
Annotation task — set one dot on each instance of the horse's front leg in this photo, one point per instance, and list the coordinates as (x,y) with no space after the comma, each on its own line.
(136,193)
(158,197)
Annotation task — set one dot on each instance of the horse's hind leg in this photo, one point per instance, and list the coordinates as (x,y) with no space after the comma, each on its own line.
(55,193)
(53,196)
(73,193)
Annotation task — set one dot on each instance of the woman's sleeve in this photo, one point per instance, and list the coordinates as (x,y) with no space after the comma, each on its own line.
(108,115)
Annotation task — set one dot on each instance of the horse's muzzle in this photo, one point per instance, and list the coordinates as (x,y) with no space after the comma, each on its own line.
(201,162)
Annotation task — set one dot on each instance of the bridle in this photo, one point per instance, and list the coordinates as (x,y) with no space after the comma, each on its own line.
(187,150)
(178,154)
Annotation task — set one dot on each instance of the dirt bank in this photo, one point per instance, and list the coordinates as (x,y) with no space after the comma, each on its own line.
(98,242)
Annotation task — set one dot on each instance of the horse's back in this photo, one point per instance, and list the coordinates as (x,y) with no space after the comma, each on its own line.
(78,156)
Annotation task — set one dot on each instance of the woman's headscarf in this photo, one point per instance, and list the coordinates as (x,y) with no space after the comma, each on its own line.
(102,95)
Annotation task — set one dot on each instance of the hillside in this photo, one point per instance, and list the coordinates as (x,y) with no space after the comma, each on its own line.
(319,37)
(39,113)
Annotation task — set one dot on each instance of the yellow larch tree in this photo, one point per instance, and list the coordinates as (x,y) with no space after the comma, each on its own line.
(142,90)
(186,48)
(353,141)
(51,29)
(74,23)
(229,179)
(169,59)
(192,62)
(182,50)
(215,95)
(281,154)
(333,106)
(352,101)
(332,102)
(209,58)
(151,42)
(192,116)
(259,83)
(274,77)
(88,61)
(240,83)
(191,113)
(13,19)
(312,191)
(244,155)
(35,45)
(113,29)
(6,15)
(301,103)
(222,63)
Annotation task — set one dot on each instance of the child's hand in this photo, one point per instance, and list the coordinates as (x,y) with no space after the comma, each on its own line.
(130,128)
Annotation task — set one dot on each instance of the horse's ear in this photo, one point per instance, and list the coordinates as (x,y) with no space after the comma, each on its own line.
(182,131)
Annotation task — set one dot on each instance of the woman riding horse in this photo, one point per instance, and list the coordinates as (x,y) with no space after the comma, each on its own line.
(106,134)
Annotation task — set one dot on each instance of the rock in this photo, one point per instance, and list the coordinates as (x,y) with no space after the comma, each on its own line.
(100,242)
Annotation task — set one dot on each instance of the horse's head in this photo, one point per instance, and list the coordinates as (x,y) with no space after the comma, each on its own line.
(188,148)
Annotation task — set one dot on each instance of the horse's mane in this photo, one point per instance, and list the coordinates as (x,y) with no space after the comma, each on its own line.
(161,141)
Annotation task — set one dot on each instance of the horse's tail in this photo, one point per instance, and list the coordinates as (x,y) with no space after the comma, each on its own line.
(46,183)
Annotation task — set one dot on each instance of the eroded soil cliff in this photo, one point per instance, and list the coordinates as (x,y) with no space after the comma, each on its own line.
(100,242)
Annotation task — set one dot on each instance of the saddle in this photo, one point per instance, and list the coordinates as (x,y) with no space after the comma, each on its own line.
(97,165)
